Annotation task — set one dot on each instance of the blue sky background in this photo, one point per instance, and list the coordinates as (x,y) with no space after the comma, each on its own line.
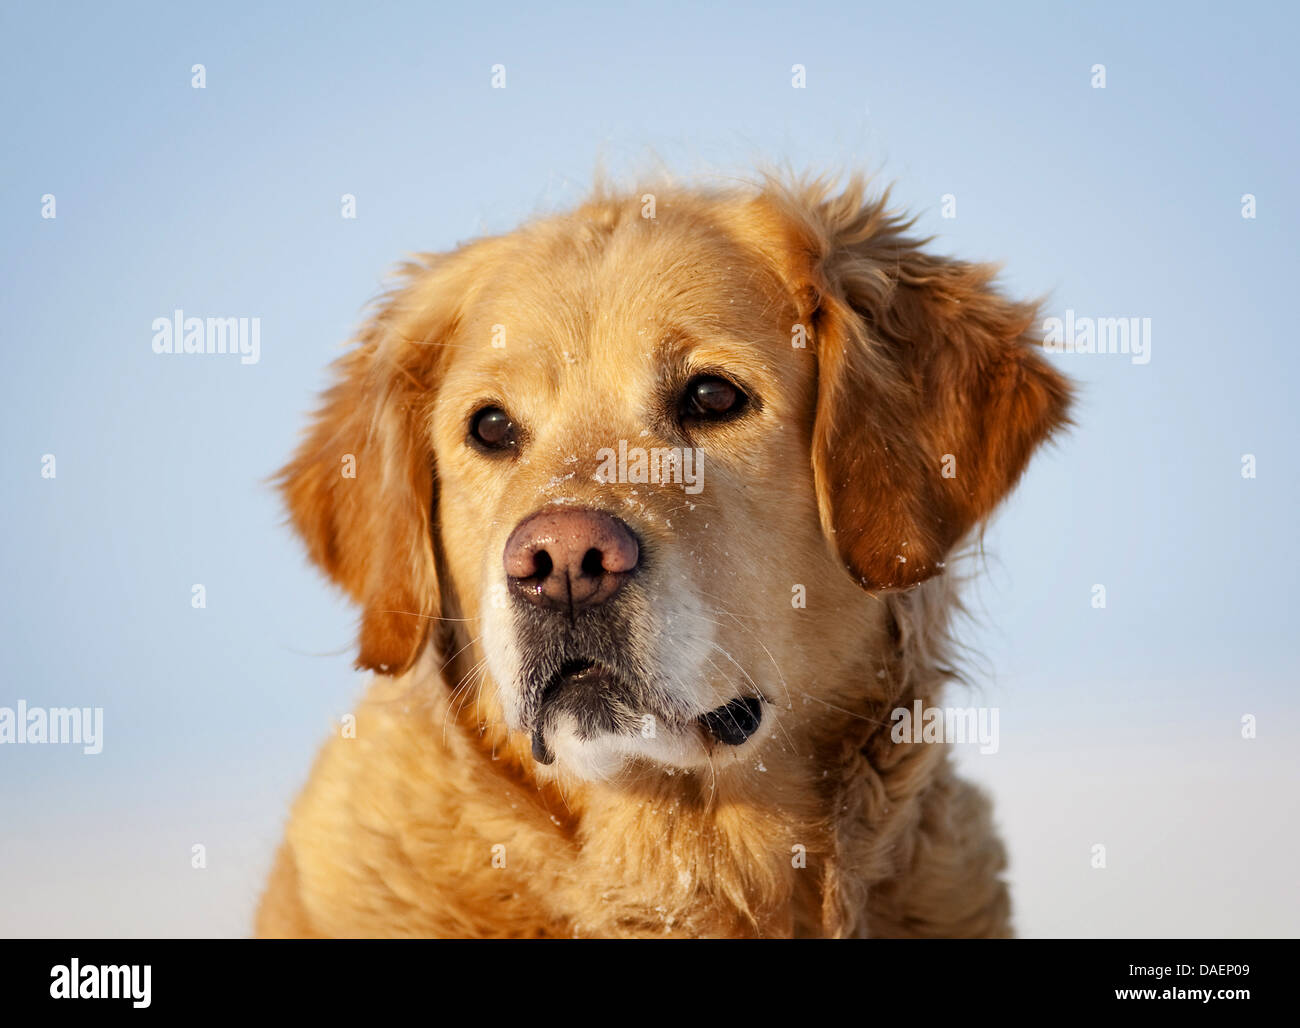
(1118,726)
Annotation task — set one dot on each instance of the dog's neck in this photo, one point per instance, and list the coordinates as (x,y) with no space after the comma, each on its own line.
(786,843)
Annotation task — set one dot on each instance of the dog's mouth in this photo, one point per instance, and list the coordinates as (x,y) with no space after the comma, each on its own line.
(573,675)
(591,683)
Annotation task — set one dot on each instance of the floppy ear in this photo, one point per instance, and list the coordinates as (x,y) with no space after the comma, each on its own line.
(932,394)
(360,488)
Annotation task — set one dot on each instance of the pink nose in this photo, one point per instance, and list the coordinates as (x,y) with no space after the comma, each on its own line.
(570,560)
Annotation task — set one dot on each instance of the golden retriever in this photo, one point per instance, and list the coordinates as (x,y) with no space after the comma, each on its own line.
(646,508)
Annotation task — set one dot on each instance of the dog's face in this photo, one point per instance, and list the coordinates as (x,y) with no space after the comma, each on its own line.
(629,557)
(652,471)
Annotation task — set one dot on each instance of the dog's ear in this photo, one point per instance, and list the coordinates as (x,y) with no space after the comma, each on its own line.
(932,394)
(360,489)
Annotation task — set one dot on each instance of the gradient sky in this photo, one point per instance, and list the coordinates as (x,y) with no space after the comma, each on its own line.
(1118,725)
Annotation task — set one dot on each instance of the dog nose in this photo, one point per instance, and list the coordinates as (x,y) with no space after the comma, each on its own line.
(570,560)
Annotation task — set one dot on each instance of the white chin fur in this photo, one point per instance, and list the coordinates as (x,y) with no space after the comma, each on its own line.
(684,635)
(601,758)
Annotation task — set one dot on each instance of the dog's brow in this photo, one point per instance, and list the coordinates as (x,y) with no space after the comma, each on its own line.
(680,348)
(674,344)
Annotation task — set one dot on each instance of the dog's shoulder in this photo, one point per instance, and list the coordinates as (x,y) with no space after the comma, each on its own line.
(403,829)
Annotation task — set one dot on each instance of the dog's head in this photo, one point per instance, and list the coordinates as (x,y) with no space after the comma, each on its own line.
(642,469)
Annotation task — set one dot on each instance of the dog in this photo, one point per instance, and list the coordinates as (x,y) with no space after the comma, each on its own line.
(646,508)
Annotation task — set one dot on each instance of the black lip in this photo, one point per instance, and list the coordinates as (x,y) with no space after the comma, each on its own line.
(574,668)
(734,722)
(570,671)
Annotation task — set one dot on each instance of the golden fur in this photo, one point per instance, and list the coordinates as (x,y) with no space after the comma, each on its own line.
(435,820)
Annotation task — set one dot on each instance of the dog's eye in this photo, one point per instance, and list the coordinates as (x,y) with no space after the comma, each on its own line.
(711,398)
(492,429)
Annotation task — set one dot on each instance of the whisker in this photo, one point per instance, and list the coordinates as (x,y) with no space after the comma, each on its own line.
(426,617)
